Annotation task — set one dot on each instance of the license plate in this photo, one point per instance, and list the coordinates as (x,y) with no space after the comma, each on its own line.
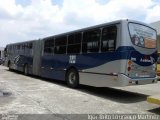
(143,75)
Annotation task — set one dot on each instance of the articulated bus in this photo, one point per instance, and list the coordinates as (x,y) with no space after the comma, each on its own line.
(118,53)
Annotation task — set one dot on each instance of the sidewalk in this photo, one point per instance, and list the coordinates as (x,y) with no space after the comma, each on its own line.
(154,99)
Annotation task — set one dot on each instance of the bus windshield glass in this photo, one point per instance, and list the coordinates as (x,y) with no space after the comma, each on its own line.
(142,36)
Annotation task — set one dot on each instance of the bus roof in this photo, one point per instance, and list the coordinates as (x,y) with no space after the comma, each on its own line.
(21,42)
(85,29)
(95,26)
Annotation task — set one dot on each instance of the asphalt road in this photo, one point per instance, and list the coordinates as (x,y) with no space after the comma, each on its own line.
(21,94)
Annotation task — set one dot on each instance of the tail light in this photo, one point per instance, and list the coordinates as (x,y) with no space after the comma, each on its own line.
(129,68)
(129,65)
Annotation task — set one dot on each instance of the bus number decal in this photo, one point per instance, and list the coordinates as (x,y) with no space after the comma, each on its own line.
(72,59)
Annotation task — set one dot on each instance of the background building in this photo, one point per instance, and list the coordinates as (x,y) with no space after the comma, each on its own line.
(1,52)
(156,25)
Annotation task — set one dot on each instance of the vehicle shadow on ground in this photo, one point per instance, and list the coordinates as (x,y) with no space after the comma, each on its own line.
(116,95)
(113,94)
(155,110)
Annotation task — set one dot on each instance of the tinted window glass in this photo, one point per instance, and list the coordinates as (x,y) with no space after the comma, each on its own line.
(109,36)
(73,49)
(61,41)
(27,48)
(91,41)
(60,45)
(142,36)
(74,43)
(49,46)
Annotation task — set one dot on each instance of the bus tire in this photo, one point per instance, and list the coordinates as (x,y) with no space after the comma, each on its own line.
(72,78)
(25,69)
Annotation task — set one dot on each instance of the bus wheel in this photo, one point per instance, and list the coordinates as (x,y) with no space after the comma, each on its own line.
(26,69)
(72,78)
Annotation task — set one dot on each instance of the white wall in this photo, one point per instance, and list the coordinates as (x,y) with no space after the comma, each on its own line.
(1,52)
(156,25)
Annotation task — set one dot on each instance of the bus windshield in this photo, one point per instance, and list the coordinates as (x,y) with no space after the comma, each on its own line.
(142,36)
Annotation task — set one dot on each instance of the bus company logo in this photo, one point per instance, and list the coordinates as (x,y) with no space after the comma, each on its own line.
(72,59)
(151,60)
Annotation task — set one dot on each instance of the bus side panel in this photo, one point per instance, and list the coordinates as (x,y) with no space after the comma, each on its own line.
(110,79)
(54,67)
(22,60)
(53,74)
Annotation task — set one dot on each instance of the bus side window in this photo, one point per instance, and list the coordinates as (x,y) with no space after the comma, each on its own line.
(109,35)
(49,47)
(27,48)
(60,45)
(74,43)
(30,48)
(91,40)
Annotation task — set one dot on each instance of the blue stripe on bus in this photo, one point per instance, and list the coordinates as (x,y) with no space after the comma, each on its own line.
(85,61)
(90,60)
